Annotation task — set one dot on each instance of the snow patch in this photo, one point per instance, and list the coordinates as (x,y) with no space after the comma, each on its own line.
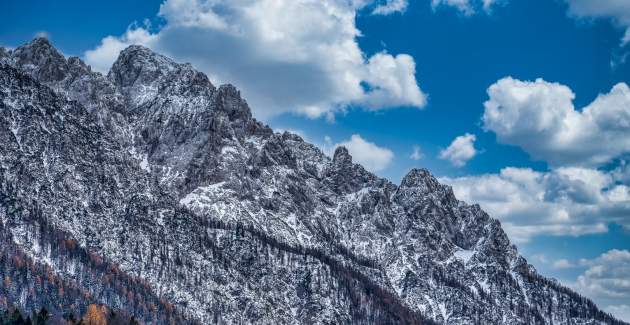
(144,164)
(464,255)
(229,149)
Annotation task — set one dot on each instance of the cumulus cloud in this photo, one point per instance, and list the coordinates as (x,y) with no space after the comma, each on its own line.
(416,154)
(461,150)
(617,10)
(466,7)
(607,276)
(368,154)
(574,197)
(566,201)
(540,117)
(286,56)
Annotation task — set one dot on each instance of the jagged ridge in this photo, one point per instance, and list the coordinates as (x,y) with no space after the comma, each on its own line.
(159,172)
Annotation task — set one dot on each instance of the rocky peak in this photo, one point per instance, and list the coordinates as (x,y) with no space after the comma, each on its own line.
(78,66)
(41,60)
(142,75)
(342,156)
(220,215)
(4,53)
(230,101)
(344,176)
(420,178)
(419,185)
(70,78)
(139,66)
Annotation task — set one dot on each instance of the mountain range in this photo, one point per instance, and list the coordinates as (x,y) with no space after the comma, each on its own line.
(153,192)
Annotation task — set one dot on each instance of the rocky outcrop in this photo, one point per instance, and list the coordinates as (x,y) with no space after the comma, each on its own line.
(157,171)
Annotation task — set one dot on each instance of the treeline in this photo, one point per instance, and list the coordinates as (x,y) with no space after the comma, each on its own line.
(549,302)
(88,278)
(34,285)
(94,315)
(370,303)
(573,304)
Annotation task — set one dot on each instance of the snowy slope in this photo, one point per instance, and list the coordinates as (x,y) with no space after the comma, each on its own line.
(160,172)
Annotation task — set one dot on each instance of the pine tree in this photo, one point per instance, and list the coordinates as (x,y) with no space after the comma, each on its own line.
(41,317)
(16,318)
(95,315)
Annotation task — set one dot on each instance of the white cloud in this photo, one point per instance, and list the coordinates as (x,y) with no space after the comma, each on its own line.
(461,150)
(606,280)
(416,154)
(607,276)
(622,312)
(390,7)
(617,10)
(396,86)
(562,264)
(466,7)
(285,55)
(566,201)
(539,117)
(368,154)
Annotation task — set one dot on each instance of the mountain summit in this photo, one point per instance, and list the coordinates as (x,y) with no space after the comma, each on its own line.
(153,192)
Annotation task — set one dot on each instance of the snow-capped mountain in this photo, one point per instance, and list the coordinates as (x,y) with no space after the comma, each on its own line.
(156,173)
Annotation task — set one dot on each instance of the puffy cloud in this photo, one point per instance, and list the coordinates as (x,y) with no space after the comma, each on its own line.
(285,55)
(416,154)
(466,7)
(461,150)
(565,201)
(540,117)
(390,7)
(573,198)
(368,154)
(606,280)
(607,276)
(394,85)
(617,10)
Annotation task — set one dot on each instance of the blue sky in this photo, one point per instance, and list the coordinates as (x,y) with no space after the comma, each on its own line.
(546,157)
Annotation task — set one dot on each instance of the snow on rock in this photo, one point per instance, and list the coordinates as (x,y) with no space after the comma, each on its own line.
(465,255)
(172,179)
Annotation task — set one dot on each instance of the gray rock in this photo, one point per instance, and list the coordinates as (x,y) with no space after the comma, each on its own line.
(158,171)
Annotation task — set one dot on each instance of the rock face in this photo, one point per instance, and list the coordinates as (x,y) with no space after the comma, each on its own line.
(155,170)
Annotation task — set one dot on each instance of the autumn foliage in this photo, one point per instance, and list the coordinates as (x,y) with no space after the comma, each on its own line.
(95,315)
